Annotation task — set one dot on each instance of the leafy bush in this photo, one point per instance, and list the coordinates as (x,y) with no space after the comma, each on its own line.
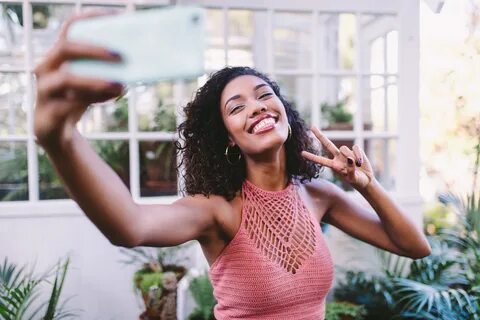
(344,310)
(202,292)
(20,296)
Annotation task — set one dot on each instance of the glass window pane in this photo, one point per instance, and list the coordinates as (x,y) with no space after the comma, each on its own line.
(109,116)
(158,175)
(116,154)
(13,106)
(380,47)
(392,52)
(215,53)
(13,171)
(298,90)
(155,106)
(50,185)
(106,7)
(47,20)
(336,41)
(292,40)
(12,48)
(382,156)
(380,103)
(338,102)
(377,55)
(247,40)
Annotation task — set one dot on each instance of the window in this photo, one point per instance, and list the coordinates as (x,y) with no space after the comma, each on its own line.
(338,63)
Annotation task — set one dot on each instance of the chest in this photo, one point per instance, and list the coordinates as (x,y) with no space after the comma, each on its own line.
(230,220)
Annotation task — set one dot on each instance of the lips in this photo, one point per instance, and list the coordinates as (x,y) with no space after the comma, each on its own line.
(260,118)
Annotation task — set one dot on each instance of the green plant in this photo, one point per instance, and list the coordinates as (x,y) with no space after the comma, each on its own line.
(344,311)
(156,280)
(336,113)
(202,292)
(13,174)
(20,296)
(372,292)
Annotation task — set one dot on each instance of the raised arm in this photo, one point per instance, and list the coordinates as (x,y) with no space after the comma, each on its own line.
(388,226)
(62,98)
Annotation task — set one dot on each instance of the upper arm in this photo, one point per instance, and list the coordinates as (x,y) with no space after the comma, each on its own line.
(186,219)
(357,220)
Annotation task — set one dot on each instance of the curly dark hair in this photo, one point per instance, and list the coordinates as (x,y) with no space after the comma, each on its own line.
(203,138)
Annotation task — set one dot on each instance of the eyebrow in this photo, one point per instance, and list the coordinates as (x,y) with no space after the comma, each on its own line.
(258,86)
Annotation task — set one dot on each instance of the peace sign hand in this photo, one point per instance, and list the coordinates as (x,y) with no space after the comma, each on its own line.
(351,165)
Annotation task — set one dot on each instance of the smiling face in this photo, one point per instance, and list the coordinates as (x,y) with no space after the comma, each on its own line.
(254,116)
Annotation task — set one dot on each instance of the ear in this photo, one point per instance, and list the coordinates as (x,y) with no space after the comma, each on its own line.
(231,143)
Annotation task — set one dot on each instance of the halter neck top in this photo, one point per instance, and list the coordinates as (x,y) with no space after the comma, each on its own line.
(277,266)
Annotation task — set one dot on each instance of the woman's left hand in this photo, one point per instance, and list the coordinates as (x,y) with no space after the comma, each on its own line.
(351,165)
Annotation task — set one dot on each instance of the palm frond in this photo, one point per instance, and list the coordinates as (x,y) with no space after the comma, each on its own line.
(56,291)
(394,265)
(10,274)
(416,297)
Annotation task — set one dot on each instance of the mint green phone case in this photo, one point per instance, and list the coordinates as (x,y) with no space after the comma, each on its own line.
(156,44)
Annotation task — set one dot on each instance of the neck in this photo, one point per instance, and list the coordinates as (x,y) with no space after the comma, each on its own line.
(268,173)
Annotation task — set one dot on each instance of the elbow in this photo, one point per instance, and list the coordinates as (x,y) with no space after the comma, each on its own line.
(421,252)
(124,241)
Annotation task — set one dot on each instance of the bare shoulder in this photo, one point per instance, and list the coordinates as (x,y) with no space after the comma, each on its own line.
(321,189)
(209,206)
(319,195)
(215,206)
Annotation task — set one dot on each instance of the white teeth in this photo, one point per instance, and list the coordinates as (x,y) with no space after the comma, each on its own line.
(263,123)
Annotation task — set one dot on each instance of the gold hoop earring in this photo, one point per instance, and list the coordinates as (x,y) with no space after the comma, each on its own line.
(228,159)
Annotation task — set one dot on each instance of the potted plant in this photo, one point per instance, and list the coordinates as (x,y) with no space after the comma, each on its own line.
(344,311)
(202,292)
(158,158)
(337,116)
(157,278)
(20,293)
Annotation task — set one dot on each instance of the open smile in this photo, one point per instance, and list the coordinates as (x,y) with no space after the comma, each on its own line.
(263,124)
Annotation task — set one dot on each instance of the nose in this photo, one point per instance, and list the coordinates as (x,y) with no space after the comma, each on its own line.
(257,109)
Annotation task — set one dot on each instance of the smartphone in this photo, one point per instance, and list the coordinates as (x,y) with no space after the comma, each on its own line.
(155,45)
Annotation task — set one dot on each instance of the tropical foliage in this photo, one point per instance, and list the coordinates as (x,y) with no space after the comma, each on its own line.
(202,292)
(21,296)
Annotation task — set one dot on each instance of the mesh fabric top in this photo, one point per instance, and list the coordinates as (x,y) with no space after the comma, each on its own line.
(277,266)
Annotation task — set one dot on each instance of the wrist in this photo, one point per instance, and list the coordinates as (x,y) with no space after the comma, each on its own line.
(370,187)
(60,141)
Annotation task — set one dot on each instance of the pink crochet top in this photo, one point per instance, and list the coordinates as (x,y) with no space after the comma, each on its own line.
(277,266)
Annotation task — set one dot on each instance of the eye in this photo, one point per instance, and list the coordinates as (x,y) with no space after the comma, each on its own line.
(268,94)
(234,109)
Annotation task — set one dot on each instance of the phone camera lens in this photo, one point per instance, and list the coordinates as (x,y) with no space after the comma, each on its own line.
(195,19)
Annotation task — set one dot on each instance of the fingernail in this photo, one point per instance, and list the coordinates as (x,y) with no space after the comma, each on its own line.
(115,84)
(359,163)
(350,161)
(115,54)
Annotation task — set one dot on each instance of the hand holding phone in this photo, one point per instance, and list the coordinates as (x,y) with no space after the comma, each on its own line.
(156,44)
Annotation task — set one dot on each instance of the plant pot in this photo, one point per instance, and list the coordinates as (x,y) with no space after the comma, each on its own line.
(161,298)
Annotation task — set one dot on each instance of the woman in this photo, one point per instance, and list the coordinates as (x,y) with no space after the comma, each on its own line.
(253,202)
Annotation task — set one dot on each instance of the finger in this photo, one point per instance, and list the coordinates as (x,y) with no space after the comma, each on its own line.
(318,159)
(347,153)
(365,162)
(350,169)
(329,145)
(56,85)
(66,50)
(358,155)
